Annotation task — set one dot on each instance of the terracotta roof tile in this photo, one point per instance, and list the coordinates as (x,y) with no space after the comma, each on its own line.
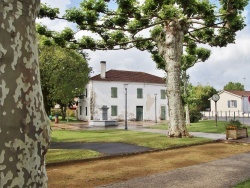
(239,93)
(129,76)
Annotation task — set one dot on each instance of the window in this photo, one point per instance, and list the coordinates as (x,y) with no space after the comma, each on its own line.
(163,94)
(80,110)
(113,110)
(86,93)
(113,92)
(232,104)
(139,93)
(86,111)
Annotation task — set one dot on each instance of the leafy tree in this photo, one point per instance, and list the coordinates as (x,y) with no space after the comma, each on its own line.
(234,86)
(24,125)
(199,95)
(173,24)
(64,75)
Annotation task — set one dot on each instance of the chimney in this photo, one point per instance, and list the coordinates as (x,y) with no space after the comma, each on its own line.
(103,69)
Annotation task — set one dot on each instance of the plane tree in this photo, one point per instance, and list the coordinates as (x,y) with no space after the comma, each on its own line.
(24,124)
(172,24)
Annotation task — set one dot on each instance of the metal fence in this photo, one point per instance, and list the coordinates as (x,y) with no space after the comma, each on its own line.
(243,117)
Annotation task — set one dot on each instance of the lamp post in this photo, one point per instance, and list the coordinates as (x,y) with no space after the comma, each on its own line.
(155,109)
(126,97)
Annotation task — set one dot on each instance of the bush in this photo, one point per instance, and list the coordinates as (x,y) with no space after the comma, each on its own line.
(195,116)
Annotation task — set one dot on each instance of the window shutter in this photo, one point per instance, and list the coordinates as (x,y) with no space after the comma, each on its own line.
(163,94)
(113,92)
(235,104)
(228,104)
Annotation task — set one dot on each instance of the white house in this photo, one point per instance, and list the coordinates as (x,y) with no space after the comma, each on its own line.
(231,103)
(146,96)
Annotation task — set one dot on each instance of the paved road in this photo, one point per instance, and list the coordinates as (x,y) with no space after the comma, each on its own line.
(223,173)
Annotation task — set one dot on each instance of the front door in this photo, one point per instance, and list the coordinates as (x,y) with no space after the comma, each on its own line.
(163,112)
(139,113)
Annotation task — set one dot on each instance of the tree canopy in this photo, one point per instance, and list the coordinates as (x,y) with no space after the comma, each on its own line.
(64,75)
(234,86)
(198,96)
(171,24)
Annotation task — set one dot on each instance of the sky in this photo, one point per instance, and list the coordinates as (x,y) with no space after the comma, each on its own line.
(227,64)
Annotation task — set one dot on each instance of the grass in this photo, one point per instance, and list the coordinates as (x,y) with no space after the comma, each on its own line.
(245,184)
(151,140)
(207,126)
(60,155)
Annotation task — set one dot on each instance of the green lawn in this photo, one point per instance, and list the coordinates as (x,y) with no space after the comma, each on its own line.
(151,140)
(207,126)
(60,155)
(156,141)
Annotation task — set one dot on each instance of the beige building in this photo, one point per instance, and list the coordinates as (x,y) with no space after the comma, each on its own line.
(230,104)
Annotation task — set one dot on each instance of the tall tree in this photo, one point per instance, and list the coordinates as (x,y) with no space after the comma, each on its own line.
(199,95)
(234,86)
(173,24)
(64,75)
(24,125)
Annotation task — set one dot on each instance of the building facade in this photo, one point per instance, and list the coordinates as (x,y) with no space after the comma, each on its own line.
(230,104)
(142,95)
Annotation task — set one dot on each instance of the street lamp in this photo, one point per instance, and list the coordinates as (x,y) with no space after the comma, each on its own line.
(126,98)
(155,109)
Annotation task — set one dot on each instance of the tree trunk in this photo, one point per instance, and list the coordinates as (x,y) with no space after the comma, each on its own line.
(24,125)
(171,50)
(63,111)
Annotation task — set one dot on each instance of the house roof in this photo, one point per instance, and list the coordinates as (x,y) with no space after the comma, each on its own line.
(239,93)
(129,76)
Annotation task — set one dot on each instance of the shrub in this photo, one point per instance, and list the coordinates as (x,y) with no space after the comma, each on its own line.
(195,116)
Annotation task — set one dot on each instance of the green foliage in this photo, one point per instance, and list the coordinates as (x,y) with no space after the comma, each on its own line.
(216,26)
(234,86)
(64,74)
(46,11)
(198,96)
(195,116)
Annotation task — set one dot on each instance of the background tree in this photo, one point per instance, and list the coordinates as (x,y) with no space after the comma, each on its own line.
(24,125)
(172,24)
(234,86)
(64,75)
(199,95)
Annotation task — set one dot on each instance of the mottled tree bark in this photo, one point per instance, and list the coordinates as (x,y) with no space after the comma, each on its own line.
(171,50)
(24,125)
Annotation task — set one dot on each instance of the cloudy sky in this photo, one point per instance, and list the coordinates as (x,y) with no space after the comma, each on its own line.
(228,64)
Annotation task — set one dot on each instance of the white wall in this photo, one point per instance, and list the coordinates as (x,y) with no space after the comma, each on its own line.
(222,103)
(102,96)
